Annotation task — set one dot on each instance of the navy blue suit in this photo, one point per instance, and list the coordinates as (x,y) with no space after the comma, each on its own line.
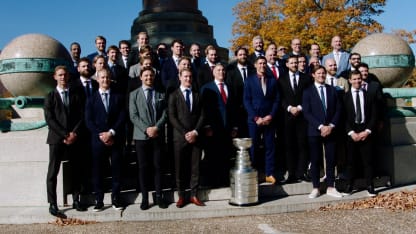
(169,75)
(316,115)
(97,121)
(220,118)
(259,105)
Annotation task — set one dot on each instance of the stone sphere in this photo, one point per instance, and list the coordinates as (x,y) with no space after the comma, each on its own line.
(27,64)
(388,56)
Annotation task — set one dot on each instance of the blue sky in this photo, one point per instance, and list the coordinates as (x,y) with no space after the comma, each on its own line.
(82,20)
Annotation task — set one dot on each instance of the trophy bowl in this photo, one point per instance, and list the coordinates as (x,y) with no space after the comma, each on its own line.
(242,143)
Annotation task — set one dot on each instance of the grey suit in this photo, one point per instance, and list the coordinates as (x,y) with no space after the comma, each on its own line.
(148,150)
(140,116)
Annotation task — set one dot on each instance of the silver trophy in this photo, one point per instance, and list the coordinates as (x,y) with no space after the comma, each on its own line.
(243,178)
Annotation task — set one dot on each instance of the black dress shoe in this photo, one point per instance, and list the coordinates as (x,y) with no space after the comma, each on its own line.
(161,202)
(291,180)
(54,210)
(371,192)
(305,178)
(117,205)
(78,206)
(144,205)
(348,189)
(98,207)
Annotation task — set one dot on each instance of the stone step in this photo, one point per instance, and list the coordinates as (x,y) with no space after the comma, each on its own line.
(266,190)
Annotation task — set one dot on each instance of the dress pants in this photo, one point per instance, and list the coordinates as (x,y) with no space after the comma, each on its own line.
(148,153)
(361,150)
(268,133)
(57,154)
(187,158)
(100,155)
(316,143)
(296,146)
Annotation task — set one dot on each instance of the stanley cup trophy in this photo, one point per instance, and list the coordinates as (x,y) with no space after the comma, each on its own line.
(243,178)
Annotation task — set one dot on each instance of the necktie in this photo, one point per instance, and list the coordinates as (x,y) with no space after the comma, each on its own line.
(337,57)
(150,105)
(244,74)
(295,85)
(274,72)
(188,99)
(332,81)
(263,84)
(87,88)
(222,92)
(323,97)
(358,114)
(65,100)
(364,86)
(105,101)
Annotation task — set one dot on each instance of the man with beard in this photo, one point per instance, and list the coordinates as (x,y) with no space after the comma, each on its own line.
(236,75)
(258,46)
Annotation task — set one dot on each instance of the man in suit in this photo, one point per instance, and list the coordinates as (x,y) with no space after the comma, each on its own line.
(75,53)
(119,75)
(321,109)
(341,56)
(64,115)
(315,51)
(361,110)
(205,71)
(292,84)
(339,83)
(105,114)
(100,44)
(261,100)
(296,47)
(169,72)
(354,60)
(124,47)
(220,128)
(187,118)
(237,73)
(258,46)
(84,85)
(147,108)
(275,66)
(196,58)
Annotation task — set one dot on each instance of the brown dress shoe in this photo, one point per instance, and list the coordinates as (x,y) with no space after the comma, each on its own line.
(270,179)
(180,203)
(196,201)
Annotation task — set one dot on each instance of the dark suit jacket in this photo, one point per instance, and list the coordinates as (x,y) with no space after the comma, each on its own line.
(182,119)
(78,87)
(98,120)
(256,103)
(119,79)
(282,69)
(290,98)
(219,116)
(314,112)
(169,75)
(370,113)
(61,122)
(204,76)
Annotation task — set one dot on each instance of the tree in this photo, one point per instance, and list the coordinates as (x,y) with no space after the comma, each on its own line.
(409,37)
(309,20)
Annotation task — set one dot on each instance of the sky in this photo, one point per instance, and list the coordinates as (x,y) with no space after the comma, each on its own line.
(82,20)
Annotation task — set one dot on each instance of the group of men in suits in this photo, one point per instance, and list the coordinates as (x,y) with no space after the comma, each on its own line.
(204,106)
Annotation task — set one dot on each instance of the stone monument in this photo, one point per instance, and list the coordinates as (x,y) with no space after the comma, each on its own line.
(165,20)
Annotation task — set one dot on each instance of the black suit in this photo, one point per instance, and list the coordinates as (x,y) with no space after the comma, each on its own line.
(362,149)
(61,121)
(98,120)
(295,126)
(119,79)
(235,83)
(187,156)
(204,76)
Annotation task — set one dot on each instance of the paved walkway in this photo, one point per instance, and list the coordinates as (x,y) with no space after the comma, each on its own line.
(214,208)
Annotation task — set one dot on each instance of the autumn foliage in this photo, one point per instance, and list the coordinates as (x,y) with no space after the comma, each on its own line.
(309,20)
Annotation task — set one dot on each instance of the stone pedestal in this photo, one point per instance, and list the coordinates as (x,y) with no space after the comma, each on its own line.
(178,19)
(24,160)
(396,153)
